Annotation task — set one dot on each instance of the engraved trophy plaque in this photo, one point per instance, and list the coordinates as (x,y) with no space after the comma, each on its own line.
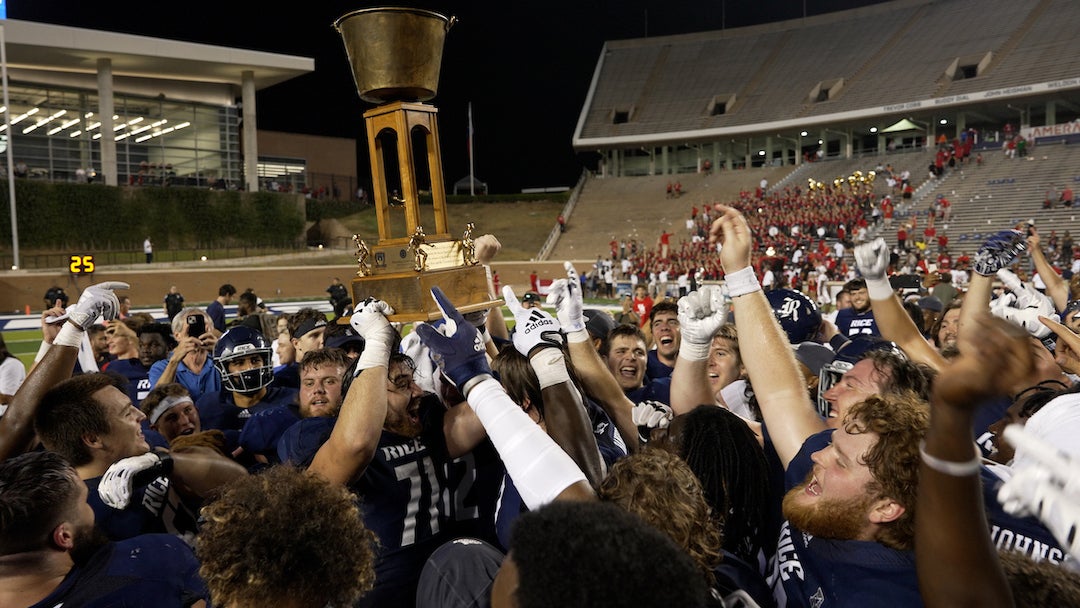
(396,55)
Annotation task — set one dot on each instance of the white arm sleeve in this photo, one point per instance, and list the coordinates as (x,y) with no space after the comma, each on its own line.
(541,470)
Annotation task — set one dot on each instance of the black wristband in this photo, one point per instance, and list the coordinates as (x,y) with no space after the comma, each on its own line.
(165,463)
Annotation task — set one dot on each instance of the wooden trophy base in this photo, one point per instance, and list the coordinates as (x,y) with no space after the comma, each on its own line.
(409,293)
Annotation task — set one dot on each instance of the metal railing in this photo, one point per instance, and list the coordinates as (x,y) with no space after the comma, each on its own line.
(571,202)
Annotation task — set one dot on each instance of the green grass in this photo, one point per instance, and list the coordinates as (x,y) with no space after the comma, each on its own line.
(23,344)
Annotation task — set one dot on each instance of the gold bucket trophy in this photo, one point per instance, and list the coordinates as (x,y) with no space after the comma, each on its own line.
(396,54)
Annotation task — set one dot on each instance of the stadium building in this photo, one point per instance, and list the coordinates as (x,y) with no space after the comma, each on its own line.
(821,98)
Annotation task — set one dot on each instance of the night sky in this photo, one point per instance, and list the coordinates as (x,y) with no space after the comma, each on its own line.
(526,67)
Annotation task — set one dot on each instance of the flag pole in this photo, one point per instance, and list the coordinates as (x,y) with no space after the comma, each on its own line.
(472,176)
(10,159)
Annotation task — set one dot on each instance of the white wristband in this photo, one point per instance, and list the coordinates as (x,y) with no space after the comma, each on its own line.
(693,352)
(742,282)
(376,354)
(70,335)
(550,367)
(949,467)
(541,470)
(44,348)
(581,335)
(879,289)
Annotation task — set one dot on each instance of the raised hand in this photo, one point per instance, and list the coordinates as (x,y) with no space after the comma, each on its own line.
(456,346)
(96,301)
(732,231)
(999,251)
(872,258)
(565,296)
(535,329)
(369,321)
(701,314)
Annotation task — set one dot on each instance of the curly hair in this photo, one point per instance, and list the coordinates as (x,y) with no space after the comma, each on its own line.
(285,537)
(1039,583)
(900,422)
(725,456)
(897,374)
(660,488)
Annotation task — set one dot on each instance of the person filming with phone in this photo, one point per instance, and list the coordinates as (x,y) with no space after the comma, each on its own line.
(189,363)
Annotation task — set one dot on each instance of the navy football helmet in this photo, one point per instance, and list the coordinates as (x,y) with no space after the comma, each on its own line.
(797,314)
(240,342)
(846,357)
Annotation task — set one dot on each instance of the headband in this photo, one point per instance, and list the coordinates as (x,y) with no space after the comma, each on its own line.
(166,404)
(309,325)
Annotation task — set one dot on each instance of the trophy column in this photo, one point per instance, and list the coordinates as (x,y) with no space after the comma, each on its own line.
(395,55)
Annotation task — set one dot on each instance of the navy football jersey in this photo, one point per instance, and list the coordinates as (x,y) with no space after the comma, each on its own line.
(405,496)
(218,409)
(287,375)
(264,429)
(473,482)
(851,323)
(819,572)
(656,390)
(654,368)
(608,439)
(151,570)
(1027,535)
(155,508)
(137,376)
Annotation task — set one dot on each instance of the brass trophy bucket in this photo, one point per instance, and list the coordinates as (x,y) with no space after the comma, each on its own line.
(395,52)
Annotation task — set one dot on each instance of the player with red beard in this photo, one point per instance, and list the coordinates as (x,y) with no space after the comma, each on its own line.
(851,491)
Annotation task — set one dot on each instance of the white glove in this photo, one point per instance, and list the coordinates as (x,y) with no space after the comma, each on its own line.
(1048,488)
(534,329)
(96,301)
(701,314)
(1010,280)
(369,320)
(652,414)
(565,296)
(119,480)
(1038,304)
(872,259)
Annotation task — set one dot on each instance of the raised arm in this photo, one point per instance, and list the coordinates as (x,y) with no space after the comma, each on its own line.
(487,247)
(1056,287)
(767,356)
(565,296)
(351,446)
(541,470)
(538,337)
(65,331)
(701,314)
(872,259)
(951,527)
(996,252)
